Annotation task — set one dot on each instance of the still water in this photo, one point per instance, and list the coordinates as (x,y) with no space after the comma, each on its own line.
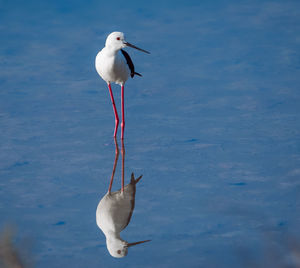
(213,127)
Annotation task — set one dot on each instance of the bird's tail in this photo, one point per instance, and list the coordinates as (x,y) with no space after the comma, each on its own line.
(135,181)
(137,74)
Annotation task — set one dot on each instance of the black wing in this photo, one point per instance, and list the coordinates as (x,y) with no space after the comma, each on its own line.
(130,63)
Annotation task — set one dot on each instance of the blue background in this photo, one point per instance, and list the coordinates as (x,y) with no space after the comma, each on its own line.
(213,126)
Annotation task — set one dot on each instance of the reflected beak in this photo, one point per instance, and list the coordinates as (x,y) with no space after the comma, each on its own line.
(136,243)
(130,45)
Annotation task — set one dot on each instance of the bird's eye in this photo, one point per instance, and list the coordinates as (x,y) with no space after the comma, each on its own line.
(118,38)
(119,251)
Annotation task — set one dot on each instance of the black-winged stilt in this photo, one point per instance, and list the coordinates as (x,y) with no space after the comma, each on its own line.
(116,67)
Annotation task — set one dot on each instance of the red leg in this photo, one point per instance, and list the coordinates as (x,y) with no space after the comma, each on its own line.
(123,163)
(115,110)
(123,114)
(115,165)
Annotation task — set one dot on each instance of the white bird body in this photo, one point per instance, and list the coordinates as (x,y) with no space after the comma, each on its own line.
(115,209)
(112,66)
(113,214)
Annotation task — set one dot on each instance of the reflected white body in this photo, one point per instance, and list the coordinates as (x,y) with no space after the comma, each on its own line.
(113,214)
(110,63)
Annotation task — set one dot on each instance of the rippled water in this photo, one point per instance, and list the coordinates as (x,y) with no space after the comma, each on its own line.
(213,126)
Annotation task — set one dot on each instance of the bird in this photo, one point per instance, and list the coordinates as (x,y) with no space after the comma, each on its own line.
(114,212)
(114,65)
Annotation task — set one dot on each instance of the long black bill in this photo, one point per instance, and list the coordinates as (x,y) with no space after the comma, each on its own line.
(137,243)
(130,45)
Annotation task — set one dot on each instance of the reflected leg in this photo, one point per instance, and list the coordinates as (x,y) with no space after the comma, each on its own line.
(115,165)
(123,163)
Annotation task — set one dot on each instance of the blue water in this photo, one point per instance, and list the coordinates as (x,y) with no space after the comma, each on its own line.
(213,126)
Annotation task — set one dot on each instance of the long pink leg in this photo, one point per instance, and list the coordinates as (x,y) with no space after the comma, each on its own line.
(115,110)
(115,165)
(123,114)
(123,163)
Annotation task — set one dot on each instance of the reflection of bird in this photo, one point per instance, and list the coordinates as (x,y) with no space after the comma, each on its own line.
(114,212)
(115,67)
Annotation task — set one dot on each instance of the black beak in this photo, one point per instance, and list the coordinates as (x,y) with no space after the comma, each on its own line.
(137,243)
(130,45)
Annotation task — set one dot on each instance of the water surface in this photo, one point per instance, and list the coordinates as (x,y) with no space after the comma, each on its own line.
(213,126)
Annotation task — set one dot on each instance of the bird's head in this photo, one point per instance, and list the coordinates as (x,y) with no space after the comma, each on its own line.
(119,248)
(116,41)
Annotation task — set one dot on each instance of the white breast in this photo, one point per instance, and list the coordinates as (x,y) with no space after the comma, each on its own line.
(112,67)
